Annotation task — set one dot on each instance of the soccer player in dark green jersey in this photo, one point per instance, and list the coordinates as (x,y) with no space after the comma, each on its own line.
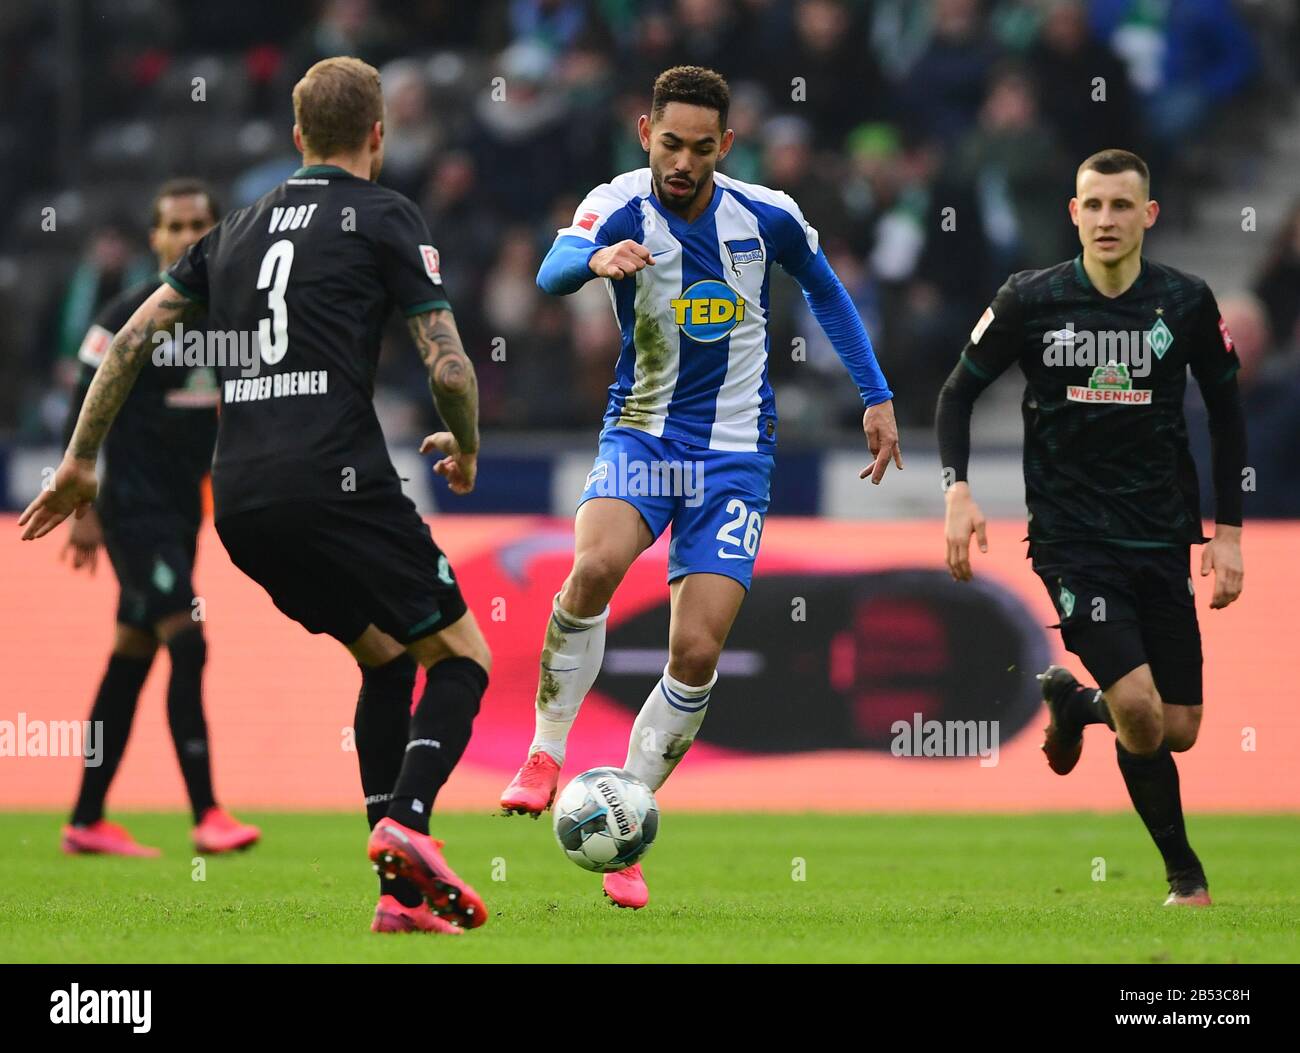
(1105,341)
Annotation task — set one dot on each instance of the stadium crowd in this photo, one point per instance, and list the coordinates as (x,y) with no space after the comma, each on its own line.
(876,116)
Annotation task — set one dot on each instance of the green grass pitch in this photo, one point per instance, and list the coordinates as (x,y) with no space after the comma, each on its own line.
(724,888)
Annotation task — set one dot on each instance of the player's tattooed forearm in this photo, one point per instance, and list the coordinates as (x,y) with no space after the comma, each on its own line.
(116,374)
(452,380)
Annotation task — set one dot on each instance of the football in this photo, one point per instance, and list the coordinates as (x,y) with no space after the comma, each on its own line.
(606,819)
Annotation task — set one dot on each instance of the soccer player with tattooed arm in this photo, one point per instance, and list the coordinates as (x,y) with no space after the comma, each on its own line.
(1105,342)
(307,502)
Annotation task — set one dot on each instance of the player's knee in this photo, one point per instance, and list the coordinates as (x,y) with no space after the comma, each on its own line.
(693,663)
(482,654)
(1181,733)
(594,578)
(188,649)
(175,624)
(130,642)
(1135,706)
(1134,700)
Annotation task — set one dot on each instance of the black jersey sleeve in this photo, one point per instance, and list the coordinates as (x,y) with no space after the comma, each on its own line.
(408,262)
(189,275)
(94,346)
(1214,364)
(995,342)
(1213,359)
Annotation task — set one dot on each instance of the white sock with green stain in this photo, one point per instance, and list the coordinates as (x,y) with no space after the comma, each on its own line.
(665,728)
(571,657)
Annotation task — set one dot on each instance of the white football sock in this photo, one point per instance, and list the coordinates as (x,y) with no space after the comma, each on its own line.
(665,728)
(571,657)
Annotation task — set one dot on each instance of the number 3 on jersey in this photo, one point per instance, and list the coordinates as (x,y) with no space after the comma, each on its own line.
(273,332)
(752,522)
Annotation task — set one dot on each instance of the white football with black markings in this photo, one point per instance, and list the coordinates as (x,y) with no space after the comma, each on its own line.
(606,819)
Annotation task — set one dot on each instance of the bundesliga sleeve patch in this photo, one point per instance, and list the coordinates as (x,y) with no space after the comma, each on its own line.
(1227,336)
(430,256)
(986,319)
(587,220)
(95,345)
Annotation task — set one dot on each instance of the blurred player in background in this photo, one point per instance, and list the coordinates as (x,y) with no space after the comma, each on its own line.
(307,501)
(686,254)
(147,518)
(1105,341)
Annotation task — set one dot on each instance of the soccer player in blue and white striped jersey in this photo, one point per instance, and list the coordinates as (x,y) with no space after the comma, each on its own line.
(686,255)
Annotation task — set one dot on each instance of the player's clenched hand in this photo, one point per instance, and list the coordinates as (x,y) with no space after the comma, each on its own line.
(73,490)
(84,538)
(618,261)
(962,519)
(1223,556)
(882,440)
(460,469)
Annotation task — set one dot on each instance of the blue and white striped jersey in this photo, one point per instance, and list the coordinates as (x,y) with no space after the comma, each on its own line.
(695,343)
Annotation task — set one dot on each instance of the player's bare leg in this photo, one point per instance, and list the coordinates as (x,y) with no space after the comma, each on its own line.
(704,607)
(609,534)
(457,661)
(89,832)
(1147,764)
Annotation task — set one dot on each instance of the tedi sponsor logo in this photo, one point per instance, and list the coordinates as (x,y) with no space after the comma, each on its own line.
(76,1006)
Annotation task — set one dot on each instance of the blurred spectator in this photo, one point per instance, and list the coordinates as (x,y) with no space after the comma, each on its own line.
(411,132)
(709,33)
(927,162)
(1066,66)
(1183,58)
(110,263)
(344,27)
(1278,284)
(943,90)
(826,74)
(1015,164)
(789,165)
(748,107)
(519,139)
(1270,395)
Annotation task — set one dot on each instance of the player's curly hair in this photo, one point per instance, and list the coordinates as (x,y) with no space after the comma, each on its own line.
(691,84)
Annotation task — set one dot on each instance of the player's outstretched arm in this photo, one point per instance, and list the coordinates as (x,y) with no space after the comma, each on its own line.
(1222,554)
(962,516)
(881,430)
(833,308)
(74,485)
(454,386)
